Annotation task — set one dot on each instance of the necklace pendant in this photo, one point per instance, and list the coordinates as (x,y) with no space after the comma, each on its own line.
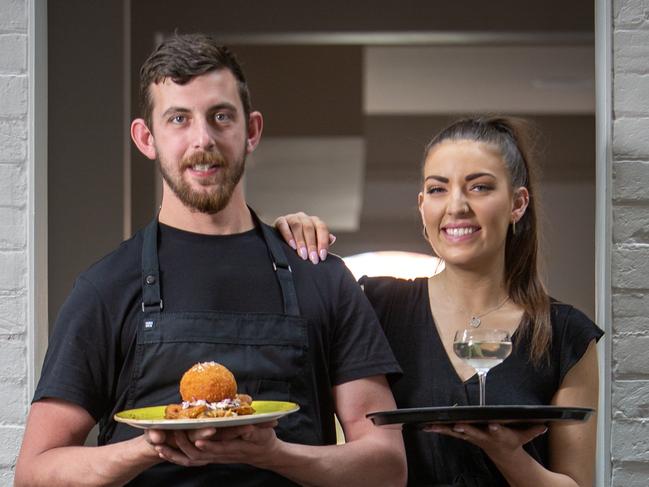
(474,321)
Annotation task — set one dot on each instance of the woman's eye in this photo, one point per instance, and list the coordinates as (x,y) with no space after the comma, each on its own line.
(434,189)
(482,187)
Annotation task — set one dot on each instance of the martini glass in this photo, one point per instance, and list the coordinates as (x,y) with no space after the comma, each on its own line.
(482,349)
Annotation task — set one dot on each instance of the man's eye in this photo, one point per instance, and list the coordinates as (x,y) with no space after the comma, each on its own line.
(178,119)
(222,117)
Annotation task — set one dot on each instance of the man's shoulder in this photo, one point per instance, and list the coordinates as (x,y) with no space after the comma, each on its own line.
(124,262)
(333,266)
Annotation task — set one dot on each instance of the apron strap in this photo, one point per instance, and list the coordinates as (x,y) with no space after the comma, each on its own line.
(281,266)
(151,298)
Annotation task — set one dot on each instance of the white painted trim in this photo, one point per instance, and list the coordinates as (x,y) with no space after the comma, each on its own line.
(603,225)
(37,316)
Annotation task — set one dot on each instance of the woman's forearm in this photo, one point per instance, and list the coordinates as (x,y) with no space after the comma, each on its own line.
(521,470)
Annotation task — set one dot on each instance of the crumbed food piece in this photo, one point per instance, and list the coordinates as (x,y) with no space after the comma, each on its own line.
(209,390)
(173,411)
(209,381)
(176,411)
(243,398)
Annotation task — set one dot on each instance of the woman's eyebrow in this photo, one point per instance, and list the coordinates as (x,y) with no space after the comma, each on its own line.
(476,175)
(441,179)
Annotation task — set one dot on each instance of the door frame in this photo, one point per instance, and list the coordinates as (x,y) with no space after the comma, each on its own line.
(603,226)
(37,317)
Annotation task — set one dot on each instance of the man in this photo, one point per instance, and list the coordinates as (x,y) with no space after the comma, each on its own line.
(207,281)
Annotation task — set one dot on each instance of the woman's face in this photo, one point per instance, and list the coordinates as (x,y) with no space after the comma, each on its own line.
(467,202)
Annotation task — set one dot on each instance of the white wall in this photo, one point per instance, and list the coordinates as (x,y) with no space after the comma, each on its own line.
(630,245)
(15,78)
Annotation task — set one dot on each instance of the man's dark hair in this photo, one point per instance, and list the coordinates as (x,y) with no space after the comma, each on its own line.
(183,57)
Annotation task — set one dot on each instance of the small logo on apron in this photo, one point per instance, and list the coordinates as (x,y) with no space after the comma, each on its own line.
(148,324)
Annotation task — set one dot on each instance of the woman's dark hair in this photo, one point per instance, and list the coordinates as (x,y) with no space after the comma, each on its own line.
(183,57)
(512,137)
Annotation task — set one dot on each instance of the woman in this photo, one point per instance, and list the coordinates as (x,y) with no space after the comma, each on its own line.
(479,214)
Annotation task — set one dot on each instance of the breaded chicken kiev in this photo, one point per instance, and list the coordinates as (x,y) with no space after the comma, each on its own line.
(209,390)
(209,381)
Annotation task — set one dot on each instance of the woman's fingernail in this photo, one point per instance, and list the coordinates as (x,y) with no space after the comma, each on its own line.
(332,239)
(458,429)
(434,429)
(494,427)
(313,256)
(323,254)
(292,244)
(303,253)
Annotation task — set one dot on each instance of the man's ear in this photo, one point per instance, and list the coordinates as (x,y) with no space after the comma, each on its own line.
(521,200)
(143,138)
(255,127)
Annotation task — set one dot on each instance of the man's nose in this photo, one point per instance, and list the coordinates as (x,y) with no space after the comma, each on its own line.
(203,136)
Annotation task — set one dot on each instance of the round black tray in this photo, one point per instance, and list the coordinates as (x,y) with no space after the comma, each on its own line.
(515,415)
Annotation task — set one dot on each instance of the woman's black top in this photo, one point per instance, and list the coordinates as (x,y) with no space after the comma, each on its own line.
(429,379)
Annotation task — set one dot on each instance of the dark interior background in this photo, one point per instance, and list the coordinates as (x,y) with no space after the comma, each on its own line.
(307,65)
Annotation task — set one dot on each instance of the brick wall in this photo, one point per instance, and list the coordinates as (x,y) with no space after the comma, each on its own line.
(630,249)
(14,259)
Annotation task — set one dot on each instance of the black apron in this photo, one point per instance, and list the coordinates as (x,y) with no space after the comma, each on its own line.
(267,354)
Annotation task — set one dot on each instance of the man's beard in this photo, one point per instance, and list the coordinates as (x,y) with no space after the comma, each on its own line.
(212,200)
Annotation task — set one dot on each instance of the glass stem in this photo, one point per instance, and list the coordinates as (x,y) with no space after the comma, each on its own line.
(482,378)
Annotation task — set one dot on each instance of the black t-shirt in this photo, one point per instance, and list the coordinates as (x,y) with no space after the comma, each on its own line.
(429,379)
(90,356)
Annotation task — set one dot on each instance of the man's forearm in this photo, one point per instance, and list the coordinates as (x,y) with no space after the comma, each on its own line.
(110,465)
(357,463)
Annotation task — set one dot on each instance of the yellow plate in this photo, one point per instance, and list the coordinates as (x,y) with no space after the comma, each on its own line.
(153,417)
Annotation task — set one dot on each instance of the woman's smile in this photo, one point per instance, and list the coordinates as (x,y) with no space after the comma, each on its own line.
(468,198)
(460,232)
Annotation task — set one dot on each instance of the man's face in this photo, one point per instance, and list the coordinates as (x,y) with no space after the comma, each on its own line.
(200,138)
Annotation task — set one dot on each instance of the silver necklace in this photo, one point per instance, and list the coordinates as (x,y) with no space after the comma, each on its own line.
(475,319)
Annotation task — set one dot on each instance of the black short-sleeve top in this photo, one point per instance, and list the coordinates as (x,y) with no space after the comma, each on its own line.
(429,379)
